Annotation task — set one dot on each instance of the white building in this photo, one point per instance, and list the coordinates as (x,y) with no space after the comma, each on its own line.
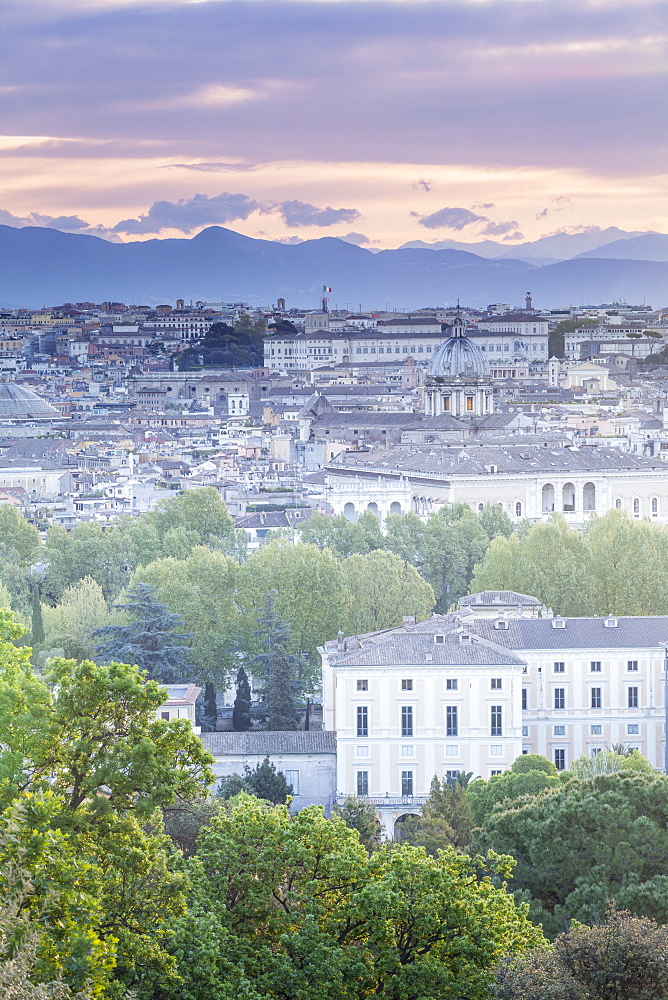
(472,690)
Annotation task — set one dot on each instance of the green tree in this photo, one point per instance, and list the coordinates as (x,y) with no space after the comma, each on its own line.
(71,623)
(282,672)
(626,558)
(201,511)
(360,815)
(446,820)
(19,540)
(241,714)
(267,783)
(297,907)
(150,639)
(382,588)
(494,521)
(623,957)
(344,538)
(585,842)
(37,630)
(511,786)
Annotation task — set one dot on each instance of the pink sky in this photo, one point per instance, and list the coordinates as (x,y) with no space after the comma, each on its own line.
(378,121)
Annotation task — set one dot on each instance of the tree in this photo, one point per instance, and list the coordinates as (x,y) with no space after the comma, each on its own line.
(71,623)
(494,521)
(241,714)
(511,786)
(626,558)
(345,538)
(37,631)
(282,671)
(623,957)
(19,540)
(382,588)
(267,783)
(361,816)
(299,908)
(446,820)
(184,821)
(633,336)
(198,510)
(150,639)
(585,842)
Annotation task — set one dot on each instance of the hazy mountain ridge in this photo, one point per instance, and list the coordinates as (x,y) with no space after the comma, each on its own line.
(48,267)
(547,250)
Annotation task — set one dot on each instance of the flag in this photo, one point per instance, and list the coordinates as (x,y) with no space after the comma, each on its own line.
(326,289)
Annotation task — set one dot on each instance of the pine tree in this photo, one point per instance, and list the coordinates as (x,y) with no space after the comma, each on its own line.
(241,716)
(37,620)
(151,639)
(280,669)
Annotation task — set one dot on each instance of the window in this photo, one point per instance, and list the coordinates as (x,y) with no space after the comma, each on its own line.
(518,509)
(362,783)
(451,750)
(406,720)
(524,699)
(493,772)
(560,697)
(496,751)
(560,759)
(525,730)
(407,751)
(596,730)
(559,667)
(558,623)
(595,666)
(496,684)
(165,716)
(362,751)
(451,684)
(636,506)
(595,697)
(439,639)
(406,782)
(633,697)
(362,685)
(618,503)
(362,720)
(407,685)
(631,664)
(655,506)
(595,751)
(451,722)
(452,775)
(633,729)
(469,402)
(560,730)
(292,778)
(496,727)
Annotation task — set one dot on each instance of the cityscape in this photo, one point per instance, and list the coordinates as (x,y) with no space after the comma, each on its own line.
(333,501)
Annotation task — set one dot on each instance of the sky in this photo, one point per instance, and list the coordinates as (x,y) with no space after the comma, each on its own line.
(377,121)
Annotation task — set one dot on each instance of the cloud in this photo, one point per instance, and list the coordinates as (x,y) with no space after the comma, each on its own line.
(499,228)
(68,223)
(213,166)
(291,241)
(422,184)
(190,213)
(358,239)
(299,213)
(557,204)
(514,236)
(486,205)
(449,218)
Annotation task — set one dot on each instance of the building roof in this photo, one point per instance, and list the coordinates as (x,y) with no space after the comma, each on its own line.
(268,743)
(578,633)
(19,403)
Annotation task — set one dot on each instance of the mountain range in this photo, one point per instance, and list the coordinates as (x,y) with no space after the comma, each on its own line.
(46,267)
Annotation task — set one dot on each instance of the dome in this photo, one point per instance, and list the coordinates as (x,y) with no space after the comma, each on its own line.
(19,403)
(458,356)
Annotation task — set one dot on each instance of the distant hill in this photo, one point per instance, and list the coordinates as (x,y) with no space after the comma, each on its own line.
(548,250)
(46,267)
(649,246)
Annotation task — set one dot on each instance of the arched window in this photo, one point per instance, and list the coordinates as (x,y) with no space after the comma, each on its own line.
(636,506)
(568,497)
(395,507)
(349,512)
(655,506)
(481,506)
(518,508)
(589,496)
(618,503)
(548,498)
(373,507)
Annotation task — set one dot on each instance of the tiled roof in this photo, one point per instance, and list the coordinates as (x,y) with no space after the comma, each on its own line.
(268,743)
(413,644)
(492,598)
(579,633)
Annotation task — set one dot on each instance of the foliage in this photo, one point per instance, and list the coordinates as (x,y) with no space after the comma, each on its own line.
(506,788)
(494,521)
(37,629)
(585,842)
(282,672)
(71,623)
(201,511)
(298,908)
(610,762)
(150,639)
(382,588)
(623,957)
(241,714)
(344,538)
(446,820)
(533,762)
(19,540)
(184,820)
(262,781)
(361,816)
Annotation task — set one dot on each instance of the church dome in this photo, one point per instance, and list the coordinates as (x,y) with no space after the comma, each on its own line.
(458,356)
(19,403)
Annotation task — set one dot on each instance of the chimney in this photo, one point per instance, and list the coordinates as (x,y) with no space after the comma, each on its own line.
(340,645)
(409,619)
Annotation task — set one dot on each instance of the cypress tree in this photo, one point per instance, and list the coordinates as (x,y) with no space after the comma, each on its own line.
(241,716)
(37,620)
(281,670)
